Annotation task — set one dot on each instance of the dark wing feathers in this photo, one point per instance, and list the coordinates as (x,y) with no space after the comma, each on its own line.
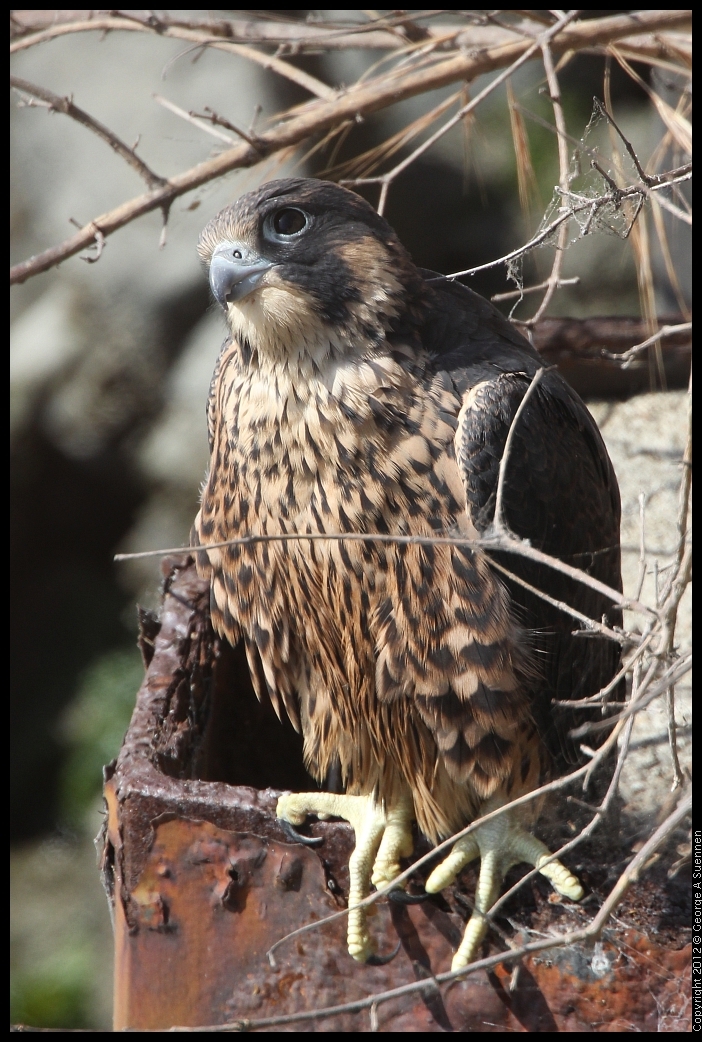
(560,494)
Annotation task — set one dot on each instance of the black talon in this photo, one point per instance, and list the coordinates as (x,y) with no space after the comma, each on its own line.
(401,897)
(294,835)
(383,960)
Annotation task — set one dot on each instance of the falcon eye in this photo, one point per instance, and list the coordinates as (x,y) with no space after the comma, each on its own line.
(289,221)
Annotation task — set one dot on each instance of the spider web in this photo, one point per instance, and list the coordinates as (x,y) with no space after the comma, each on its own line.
(612,216)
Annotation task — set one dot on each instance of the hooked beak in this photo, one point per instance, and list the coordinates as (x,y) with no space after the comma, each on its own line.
(235,271)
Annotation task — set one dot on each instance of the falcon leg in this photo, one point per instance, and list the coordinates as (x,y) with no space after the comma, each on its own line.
(499,843)
(383,836)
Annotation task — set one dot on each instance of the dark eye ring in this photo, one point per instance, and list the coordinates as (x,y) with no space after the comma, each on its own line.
(289,221)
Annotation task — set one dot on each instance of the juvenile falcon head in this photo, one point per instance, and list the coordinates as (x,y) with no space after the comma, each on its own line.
(298,258)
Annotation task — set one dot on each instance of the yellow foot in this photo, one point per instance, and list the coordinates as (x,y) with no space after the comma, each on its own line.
(383,836)
(499,844)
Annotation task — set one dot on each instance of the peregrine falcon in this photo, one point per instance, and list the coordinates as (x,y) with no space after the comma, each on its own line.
(357,393)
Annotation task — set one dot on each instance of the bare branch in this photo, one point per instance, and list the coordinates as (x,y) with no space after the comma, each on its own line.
(508,543)
(671,52)
(676,123)
(678,776)
(385,180)
(683,495)
(197,37)
(640,190)
(675,672)
(599,813)
(189,117)
(674,210)
(631,874)
(644,28)
(289,37)
(642,544)
(499,525)
(625,141)
(591,625)
(323,114)
(558,783)
(639,863)
(627,357)
(598,699)
(219,121)
(513,294)
(675,590)
(65,105)
(650,40)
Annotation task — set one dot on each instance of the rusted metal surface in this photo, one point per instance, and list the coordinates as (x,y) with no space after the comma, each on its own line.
(203,882)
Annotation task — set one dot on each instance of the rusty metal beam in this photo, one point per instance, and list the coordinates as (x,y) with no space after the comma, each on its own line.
(202,880)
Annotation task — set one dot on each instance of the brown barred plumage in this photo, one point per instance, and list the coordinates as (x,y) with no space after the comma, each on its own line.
(358,394)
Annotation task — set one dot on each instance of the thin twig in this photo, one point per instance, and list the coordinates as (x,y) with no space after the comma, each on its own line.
(679,127)
(600,697)
(631,874)
(683,494)
(385,180)
(625,141)
(526,290)
(303,37)
(322,115)
(65,105)
(627,357)
(669,616)
(639,190)
(584,772)
(190,117)
(586,832)
(642,545)
(591,625)
(563,181)
(669,678)
(638,230)
(499,526)
(219,121)
(678,776)
(508,543)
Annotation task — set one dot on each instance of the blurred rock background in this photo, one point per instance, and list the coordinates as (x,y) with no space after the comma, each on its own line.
(110,366)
